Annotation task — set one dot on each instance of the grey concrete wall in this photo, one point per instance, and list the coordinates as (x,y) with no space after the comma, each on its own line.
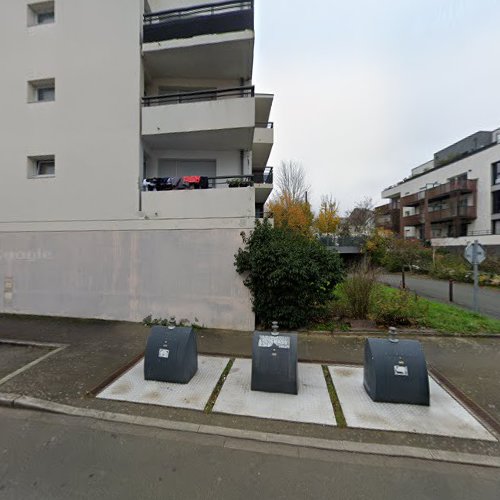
(126,275)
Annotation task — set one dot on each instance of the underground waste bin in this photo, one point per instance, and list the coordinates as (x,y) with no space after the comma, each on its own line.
(274,362)
(395,371)
(171,355)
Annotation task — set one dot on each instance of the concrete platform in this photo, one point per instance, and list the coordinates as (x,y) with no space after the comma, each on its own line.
(132,387)
(444,417)
(311,405)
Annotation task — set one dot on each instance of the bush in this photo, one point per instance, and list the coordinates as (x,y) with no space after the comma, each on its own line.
(289,275)
(398,308)
(355,294)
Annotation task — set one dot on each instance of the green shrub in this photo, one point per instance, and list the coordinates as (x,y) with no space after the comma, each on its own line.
(398,308)
(355,294)
(288,274)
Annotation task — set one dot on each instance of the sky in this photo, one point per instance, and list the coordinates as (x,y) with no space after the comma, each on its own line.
(366,90)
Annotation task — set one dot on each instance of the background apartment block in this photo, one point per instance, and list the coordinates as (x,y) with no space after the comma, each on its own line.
(98,96)
(452,199)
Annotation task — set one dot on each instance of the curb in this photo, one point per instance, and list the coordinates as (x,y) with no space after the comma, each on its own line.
(27,402)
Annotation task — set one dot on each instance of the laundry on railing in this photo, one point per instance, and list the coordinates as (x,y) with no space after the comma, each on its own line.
(175,183)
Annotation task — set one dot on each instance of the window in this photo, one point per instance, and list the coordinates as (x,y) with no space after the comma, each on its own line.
(45,17)
(41,166)
(41,13)
(46,93)
(496,202)
(42,90)
(495,171)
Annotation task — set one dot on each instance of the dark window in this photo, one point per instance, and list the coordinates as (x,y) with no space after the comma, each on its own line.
(495,173)
(496,202)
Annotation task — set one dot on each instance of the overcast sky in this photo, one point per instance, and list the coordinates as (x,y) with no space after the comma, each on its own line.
(366,90)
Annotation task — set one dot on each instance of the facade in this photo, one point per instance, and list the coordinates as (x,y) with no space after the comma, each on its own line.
(452,199)
(102,103)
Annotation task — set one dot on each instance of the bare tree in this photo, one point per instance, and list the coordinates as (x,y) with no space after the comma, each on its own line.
(291,181)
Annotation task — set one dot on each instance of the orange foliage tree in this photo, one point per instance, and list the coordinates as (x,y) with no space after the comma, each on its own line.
(328,219)
(291,213)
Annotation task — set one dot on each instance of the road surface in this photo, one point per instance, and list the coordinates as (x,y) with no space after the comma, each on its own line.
(45,456)
(489,298)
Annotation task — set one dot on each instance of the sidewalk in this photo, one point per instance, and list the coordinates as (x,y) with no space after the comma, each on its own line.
(97,349)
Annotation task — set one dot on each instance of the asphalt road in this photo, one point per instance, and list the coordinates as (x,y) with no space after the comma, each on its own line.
(489,298)
(44,456)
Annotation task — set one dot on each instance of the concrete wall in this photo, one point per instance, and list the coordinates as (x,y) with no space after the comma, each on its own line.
(477,166)
(490,242)
(92,128)
(222,114)
(200,203)
(126,275)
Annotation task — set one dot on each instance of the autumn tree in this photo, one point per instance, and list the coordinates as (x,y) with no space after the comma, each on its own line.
(289,206)
(328,219)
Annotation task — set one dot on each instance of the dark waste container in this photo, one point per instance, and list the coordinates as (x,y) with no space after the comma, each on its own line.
(396,372)
(171,355)
(274,363)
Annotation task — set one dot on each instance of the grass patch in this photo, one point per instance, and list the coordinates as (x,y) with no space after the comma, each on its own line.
(329,326)
(446,318)
(337,409)
(215,393)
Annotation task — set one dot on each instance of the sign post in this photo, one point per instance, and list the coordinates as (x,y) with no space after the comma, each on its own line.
(475,254)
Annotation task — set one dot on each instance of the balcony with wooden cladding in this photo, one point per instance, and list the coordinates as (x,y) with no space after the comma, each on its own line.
(413,200)
(413,220)
(468,213)
(456,186)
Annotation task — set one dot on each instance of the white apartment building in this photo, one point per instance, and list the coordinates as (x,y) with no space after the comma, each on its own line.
(452,199)
(133,153)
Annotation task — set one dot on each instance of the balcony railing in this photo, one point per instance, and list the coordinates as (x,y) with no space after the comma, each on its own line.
(264,125)
(469,212)
(412,199)
(265,177)
(207,19)
(198,96)
(461,185)
(413,220)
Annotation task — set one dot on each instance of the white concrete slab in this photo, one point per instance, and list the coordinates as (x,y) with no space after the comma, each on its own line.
(311,405)
(444,417)
(132,387)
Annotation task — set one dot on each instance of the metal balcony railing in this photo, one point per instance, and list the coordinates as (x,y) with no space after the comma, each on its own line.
(265,177)
(206,19)
(264,124)
(198,96)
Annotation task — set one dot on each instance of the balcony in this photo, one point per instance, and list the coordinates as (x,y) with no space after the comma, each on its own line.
(469,213)
(222,119)
(413,220)
(208,19)
(263,182)
(263,140)
(199,203)
(413,200)
(456,186)
(206,41)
